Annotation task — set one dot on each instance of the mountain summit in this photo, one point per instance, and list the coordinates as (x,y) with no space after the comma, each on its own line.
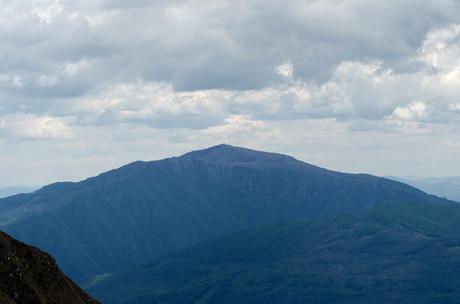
(232,154)
(147,209)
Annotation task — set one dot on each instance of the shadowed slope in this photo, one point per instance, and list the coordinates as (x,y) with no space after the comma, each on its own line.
(147,209)
(398,253)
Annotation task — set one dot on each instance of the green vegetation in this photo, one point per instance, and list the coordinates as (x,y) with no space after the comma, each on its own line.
(127,216)
(424,218)
(397,253)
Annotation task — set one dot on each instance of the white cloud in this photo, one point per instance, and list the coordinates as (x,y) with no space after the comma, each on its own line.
(454,107)
(286,70)
(73,68)
(242,127)
(47,10)
(28,126)
(415,111)
(437,46)
(10,81)
(152,103)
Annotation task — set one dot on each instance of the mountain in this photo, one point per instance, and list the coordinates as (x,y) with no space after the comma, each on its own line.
(397,253)
(127,216)
(9,191)
(28,275)
(448,187)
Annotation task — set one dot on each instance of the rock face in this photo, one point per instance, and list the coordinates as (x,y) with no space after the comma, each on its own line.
(31,276)
(147,209)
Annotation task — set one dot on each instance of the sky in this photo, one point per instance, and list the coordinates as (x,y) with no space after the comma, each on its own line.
(351,85)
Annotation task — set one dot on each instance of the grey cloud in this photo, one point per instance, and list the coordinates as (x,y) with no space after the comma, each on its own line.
(223,44)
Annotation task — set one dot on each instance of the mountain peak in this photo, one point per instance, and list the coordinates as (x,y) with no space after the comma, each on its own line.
(221,148)
(234,154)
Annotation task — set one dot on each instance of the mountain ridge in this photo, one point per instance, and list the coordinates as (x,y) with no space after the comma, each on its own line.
(447,187)
(13,190)
(165,205)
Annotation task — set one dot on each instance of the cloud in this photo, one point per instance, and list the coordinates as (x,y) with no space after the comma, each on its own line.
(439,46)
(27,126)
(91,78)
(454,107)
(286,70)
(151,103)
(409,118)
(223,44)
(415,111)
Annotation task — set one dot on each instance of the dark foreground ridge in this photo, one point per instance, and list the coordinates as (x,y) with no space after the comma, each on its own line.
(398,253)
(143,210)
(28,275)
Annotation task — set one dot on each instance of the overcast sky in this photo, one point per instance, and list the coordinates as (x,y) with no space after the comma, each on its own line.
(352,85)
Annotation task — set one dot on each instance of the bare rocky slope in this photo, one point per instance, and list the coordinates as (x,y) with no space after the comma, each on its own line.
(31,276)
